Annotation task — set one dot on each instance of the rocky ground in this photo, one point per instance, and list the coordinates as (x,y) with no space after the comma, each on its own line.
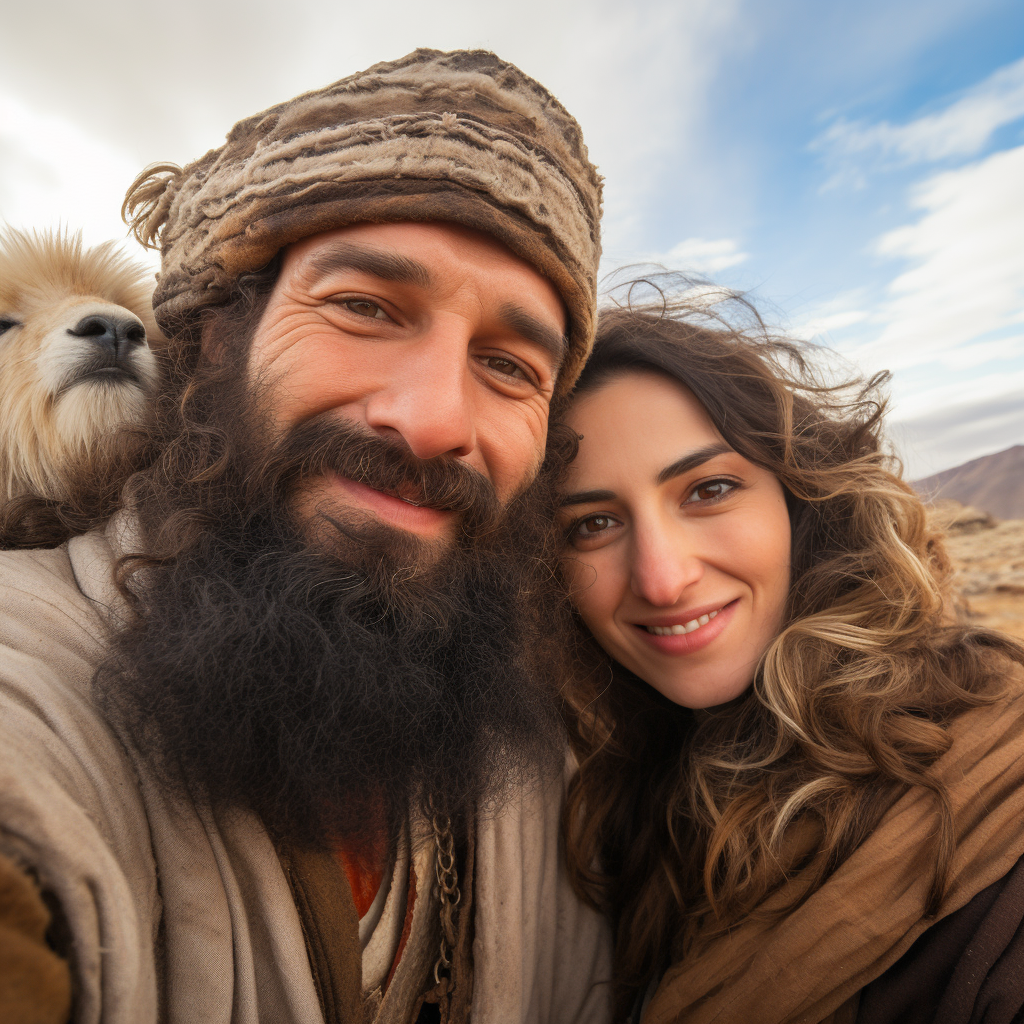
(989,560)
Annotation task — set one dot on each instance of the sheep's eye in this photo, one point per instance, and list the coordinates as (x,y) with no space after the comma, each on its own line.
(6,323)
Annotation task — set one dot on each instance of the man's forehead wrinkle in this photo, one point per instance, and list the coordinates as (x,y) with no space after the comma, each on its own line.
(530,327)
(383,263)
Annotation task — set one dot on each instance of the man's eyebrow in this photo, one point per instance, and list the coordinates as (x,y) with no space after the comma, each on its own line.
(391,266)
(693,460)
(527,326)
(586,497)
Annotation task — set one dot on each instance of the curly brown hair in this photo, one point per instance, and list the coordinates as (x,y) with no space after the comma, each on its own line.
(679,823)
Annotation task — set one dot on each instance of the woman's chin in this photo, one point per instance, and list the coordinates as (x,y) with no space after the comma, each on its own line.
(700,694)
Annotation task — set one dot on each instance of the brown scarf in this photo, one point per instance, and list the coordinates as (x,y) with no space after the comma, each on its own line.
(807,967)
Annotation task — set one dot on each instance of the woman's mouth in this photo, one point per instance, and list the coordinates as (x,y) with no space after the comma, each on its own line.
(691,634)
(683,627)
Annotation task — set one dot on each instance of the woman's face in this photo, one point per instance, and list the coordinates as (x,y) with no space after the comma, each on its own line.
(678,548)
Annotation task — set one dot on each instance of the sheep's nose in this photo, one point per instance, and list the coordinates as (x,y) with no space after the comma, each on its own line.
(112,332)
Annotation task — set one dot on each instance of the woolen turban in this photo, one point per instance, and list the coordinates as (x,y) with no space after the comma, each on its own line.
(460,136)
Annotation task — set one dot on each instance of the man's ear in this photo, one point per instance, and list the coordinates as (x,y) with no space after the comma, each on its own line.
(211,344)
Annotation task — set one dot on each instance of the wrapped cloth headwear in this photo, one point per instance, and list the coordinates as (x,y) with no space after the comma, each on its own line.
(461,137)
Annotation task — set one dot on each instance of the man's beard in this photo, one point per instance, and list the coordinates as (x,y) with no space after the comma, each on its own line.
(330,675)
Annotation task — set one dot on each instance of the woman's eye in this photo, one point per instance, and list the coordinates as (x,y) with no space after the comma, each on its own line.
(363,307)
(504,366)
(710,490)
(592,526)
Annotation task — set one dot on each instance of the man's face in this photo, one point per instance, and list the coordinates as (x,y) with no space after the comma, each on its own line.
(428,334)
(321,648)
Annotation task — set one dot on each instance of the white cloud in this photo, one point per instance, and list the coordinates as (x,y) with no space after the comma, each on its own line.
(966,281)
(704,256)
(698,257)
(938,399)
(960,130)
(634,75)
(959,431)
(948,324)
(979,353)
(825,323)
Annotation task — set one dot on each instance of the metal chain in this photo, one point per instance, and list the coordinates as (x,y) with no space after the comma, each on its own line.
(448,884)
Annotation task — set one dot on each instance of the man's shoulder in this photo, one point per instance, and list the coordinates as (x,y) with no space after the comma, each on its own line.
(56,593)
(18,565)
(72,810)
(53,636)
(58,752)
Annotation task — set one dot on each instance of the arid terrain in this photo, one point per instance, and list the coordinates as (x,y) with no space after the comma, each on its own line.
(994,483)
(982,505)
(989,559)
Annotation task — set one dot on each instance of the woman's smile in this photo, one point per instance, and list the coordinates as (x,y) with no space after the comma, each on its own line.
(681,635)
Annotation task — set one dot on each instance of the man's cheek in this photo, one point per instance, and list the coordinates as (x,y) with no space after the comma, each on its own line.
(516,459)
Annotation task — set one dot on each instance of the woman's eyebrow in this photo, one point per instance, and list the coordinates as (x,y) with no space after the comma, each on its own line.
(680,466)
(693,460)
(586,497)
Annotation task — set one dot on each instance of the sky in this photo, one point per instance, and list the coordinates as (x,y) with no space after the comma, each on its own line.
(857,169)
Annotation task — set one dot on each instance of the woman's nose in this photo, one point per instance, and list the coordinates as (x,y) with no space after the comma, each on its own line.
(665,562)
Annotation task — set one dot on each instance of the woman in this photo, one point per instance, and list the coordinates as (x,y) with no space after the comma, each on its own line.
(801,786)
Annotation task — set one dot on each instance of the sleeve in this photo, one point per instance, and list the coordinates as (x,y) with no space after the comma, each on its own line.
(35,983)
(71,811)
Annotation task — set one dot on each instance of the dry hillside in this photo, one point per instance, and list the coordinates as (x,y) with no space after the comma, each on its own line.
(994,483)
(989,560)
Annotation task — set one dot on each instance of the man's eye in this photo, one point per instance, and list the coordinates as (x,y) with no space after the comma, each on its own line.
(505,366)
(363,307)
(710,490)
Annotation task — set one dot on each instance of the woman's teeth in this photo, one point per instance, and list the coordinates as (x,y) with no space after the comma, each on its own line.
(684,627)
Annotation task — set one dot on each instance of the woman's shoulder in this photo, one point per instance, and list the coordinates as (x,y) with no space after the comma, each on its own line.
(972,960)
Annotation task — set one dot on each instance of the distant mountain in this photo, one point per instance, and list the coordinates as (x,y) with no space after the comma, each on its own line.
(994,483)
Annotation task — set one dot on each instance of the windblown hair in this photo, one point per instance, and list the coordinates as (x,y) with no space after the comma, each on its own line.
(681,823)
(69,405)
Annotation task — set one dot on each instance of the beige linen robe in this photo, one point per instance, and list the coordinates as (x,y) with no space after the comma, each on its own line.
(174,914)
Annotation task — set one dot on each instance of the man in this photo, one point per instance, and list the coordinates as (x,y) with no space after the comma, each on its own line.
(261,737)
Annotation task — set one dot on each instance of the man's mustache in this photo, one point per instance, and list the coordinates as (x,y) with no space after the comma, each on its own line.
(329,445)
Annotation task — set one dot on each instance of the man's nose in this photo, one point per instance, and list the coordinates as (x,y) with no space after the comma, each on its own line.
(666,561)
(428,400)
